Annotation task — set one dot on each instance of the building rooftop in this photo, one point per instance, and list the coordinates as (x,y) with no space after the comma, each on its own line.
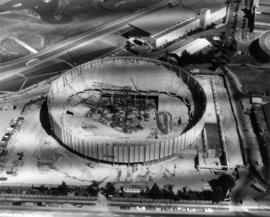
(162,19)
(263,18)
(193,47)
(264,2)
(196,6)
(264,9)
(262,14)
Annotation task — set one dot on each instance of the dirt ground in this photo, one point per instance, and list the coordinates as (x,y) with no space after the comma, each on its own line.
(47,162)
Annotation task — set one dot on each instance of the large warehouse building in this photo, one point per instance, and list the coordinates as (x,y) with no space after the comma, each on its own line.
(126,110)
(262,14)
(169,24)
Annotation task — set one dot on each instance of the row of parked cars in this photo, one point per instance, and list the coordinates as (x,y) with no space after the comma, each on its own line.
(34,204)
(169,209)
(9,132)
(5,139)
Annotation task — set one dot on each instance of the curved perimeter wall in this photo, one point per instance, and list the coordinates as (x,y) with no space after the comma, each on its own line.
(264,42)
(105,150)
(260,48)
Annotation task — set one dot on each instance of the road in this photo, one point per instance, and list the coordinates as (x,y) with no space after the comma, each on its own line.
(89,35)
(14,76)
(18,211)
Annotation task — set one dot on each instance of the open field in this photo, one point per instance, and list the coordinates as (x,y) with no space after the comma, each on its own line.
(10,46)
(255,79)
(54,67)
(85,15)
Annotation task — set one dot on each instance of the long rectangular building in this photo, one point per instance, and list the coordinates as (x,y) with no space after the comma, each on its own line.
(165,25)
(163,19)
(168,24)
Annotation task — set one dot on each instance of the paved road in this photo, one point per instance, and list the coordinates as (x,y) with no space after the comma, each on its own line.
(15,76)
(91,34)
(75,213)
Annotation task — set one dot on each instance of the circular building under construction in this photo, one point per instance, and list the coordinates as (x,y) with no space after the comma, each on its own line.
(126,110)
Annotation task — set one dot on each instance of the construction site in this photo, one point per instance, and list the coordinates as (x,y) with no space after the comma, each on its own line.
(115,110)
(158,123)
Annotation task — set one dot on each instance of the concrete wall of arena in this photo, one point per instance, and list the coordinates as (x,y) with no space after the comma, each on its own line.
(259,50)
(263,50)
(119,152)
